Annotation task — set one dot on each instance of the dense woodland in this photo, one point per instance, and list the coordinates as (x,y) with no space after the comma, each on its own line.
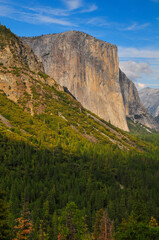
(65,174)
(94,184)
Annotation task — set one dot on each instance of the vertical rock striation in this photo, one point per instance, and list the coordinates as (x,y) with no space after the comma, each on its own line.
(88,68)
(150,99)
(133,105)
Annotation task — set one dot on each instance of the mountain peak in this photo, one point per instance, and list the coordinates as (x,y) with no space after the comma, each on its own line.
(88,67)
(150,99)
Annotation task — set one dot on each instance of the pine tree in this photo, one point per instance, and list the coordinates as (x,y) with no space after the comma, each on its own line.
(71,223)
(103,228)
(5,228)
(55,225)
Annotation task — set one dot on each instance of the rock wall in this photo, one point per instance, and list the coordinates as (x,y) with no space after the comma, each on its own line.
(133,105)
(150,99)
(21,73)
(88,68)
(16,53)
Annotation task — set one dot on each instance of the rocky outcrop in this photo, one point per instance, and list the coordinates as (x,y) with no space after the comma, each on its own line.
(133,105)
(13,52)
(21,76)
(157,119)
(150,99)
(88,68)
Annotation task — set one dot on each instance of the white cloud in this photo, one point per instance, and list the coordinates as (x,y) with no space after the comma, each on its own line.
(143,85)
(46,14)
(5,10)
(131,27)
(46,19)
(92,8)
(98,21)
(136,26)
(141,53)
(140,85)
(63,12)
(135,70)
(73,4)
(35,16)
(103,22)
(50,11)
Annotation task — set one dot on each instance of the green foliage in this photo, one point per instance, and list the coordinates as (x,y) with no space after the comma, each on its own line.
(5,228)
(134,230)
(72,223)
(43,75)
(16,71)
(72,164)
(137,225)
(103,227)
(91,176)
(49,155)
(6,36)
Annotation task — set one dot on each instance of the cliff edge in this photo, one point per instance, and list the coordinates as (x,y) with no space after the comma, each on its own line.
(133,105)
(88,68)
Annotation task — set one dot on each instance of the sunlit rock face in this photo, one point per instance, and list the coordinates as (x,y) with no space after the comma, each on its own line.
(88,68)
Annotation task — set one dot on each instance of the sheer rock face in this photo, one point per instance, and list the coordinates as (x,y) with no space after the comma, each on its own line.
(88,68)
(157,119)
(150,99)
(133,105)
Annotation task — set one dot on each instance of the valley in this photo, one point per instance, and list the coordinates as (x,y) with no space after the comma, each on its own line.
(79,151)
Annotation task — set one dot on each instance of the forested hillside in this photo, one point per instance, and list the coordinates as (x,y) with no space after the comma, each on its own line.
(64,172)
(74,174)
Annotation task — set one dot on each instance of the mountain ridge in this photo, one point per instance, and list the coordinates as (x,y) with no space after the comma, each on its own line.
(78,61)
(61,52)
(62,165)
(134,108)
(150,99)
(40,96)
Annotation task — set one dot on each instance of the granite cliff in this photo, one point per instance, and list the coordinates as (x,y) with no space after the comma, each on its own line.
(133,105)
(88,68)
(56,116)
(150,99)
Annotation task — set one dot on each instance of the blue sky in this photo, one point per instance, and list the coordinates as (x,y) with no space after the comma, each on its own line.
(133,25)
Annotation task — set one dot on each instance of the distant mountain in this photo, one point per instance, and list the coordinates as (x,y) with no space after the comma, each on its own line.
(62,165)
(55,113)
(93,83)
(89,69)
(133,105)
(150,99)
(157,119)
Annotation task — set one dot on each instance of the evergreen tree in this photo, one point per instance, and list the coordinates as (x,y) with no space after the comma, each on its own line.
(103,228)
(71,223)
(5,228)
